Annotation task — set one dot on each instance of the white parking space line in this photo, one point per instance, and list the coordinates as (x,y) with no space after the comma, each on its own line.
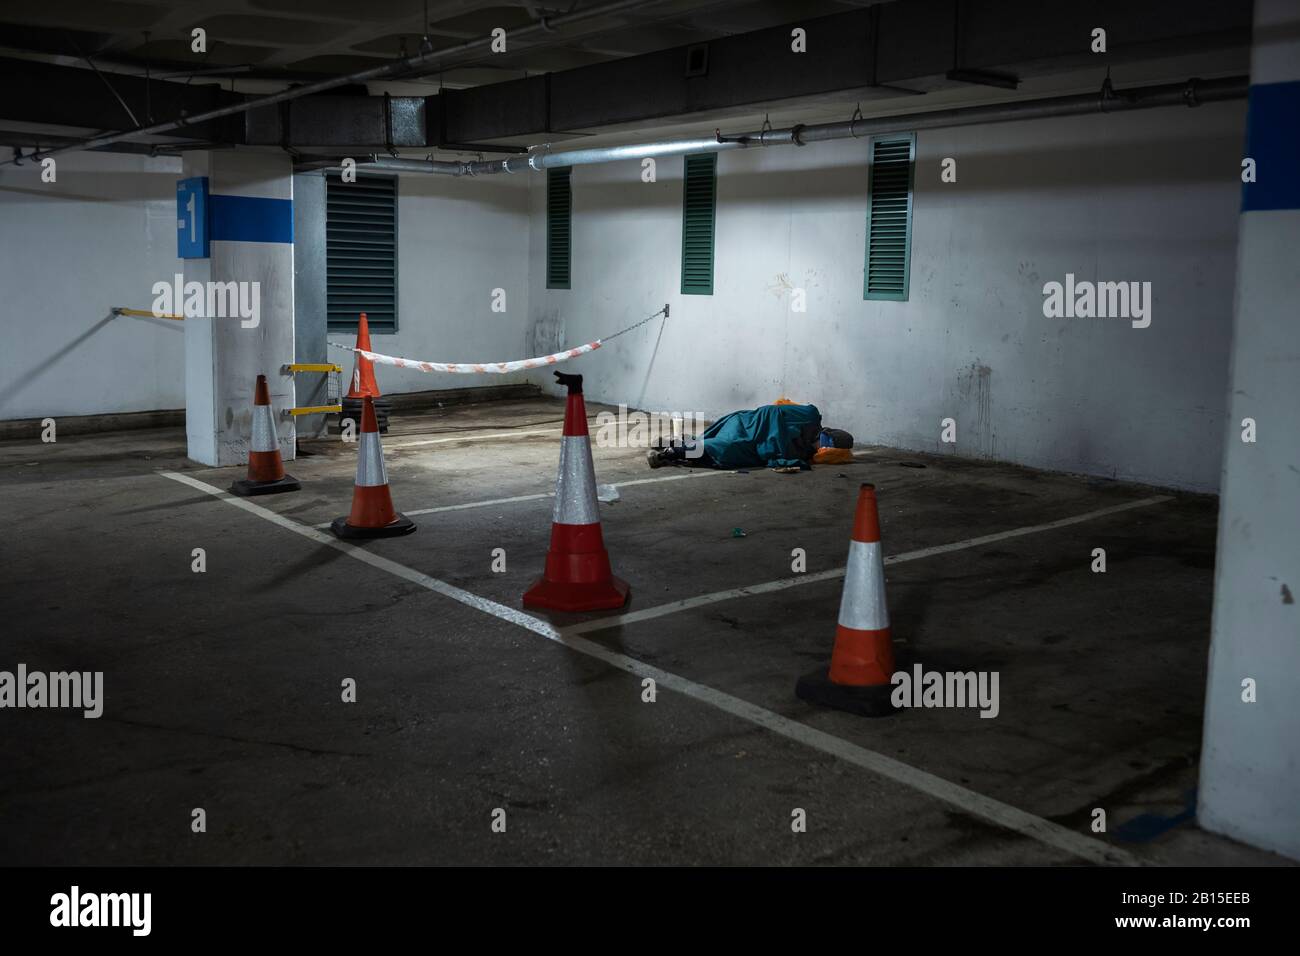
(693,473)
(459,438)
(673,607)
(968,801)
(472,504)
(546,494)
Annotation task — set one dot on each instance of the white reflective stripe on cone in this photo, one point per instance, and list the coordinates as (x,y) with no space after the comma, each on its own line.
(862,606)
(575,489)
(370,461)
(264,438)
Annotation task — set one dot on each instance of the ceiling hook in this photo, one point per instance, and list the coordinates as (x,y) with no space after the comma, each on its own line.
(1107,92)
(426,45)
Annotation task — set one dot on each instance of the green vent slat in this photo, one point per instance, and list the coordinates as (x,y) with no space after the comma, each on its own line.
(889,218)
(361,253)
(699,213)
(559,227)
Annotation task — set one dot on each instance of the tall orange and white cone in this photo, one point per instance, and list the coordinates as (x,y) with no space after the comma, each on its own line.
(265,467)
(863,660)
(372,515)
(363,369)
(363,383)
(578,576)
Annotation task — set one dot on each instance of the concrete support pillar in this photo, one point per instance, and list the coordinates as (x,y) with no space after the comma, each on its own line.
(250,225)
(309,299)
(1250,763)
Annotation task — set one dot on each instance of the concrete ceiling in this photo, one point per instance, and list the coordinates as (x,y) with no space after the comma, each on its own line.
(608,77)
(273,43)
(838,107)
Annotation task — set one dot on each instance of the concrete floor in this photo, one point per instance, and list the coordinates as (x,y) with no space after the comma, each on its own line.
(223,688)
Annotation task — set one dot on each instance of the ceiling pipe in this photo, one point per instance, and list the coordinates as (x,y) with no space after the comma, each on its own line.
(399,165)
(1191,93)
(396,68)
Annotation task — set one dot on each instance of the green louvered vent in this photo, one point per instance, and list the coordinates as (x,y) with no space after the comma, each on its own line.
(559,227)
(699,203)
(361,252)
(889,218)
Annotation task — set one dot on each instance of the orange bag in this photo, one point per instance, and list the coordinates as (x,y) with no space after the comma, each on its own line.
(833,456)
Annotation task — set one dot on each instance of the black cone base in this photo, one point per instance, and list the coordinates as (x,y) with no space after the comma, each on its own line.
(816,688)
(246,487)
(341,528)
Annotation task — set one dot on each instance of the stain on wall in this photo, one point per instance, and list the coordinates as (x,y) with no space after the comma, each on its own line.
(545,332)
(975,424)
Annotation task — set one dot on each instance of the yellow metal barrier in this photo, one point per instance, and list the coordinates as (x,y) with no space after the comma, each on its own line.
(143,314)
(333,386)
(313,367)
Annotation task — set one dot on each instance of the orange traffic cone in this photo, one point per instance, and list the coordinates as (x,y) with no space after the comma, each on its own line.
(363,370)
(863,660)
(372,513)
(578,576)
(265,467)
(363,382)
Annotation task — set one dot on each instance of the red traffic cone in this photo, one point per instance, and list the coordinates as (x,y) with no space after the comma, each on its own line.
(863,660)
(578,576)
(372,513)
(265,467)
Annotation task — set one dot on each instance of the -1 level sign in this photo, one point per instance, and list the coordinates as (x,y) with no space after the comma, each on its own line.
(192,218)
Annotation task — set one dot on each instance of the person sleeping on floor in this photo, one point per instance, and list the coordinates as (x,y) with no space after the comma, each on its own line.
(785,437)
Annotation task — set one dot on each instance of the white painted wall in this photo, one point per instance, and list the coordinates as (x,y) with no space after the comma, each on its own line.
(458,239)
(1149,196)
(100,236)
(104,233)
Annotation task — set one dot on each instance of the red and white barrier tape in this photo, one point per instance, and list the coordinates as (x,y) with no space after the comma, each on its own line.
(476,368)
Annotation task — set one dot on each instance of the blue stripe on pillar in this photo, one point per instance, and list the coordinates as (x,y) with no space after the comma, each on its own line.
(1273,142)
(250,219)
